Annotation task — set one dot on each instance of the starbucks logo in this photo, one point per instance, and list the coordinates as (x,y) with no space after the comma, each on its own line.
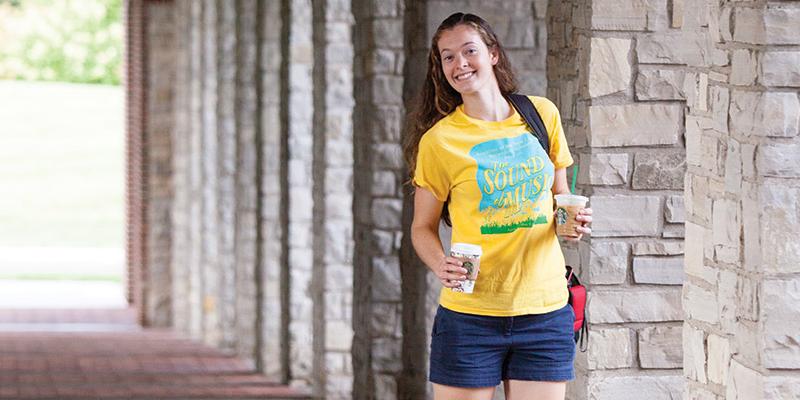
(561,216)
(468,265)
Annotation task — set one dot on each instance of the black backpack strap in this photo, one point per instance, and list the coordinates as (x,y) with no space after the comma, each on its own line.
(525,107)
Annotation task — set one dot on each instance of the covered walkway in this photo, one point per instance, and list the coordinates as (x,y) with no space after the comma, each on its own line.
(104,354)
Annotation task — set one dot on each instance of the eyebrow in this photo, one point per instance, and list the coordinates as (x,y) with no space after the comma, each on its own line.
(443,50)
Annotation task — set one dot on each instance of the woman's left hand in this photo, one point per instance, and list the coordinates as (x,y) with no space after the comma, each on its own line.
(585,218)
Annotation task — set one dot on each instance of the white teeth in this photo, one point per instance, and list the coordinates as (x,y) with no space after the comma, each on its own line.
(464,76)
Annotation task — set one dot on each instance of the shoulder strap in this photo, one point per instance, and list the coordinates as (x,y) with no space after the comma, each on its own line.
(525,107)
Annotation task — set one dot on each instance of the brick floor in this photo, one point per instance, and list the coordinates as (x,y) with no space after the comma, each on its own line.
(103,354)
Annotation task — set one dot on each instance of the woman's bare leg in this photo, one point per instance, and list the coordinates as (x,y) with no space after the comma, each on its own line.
(442,392)
(525,390)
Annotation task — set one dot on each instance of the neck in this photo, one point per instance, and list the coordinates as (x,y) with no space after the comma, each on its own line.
(487,105)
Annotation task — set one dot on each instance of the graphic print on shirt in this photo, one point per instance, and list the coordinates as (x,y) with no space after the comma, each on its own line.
(513,173)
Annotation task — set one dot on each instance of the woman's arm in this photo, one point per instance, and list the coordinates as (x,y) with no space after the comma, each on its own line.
(584,217)
(425,238)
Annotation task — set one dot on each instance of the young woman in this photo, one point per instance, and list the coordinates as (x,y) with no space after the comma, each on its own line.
(470,152)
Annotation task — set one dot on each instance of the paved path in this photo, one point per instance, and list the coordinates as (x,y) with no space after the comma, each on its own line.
(103,354)
(61,294)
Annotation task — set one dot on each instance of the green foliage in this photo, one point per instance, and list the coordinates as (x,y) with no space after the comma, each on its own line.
(68,41)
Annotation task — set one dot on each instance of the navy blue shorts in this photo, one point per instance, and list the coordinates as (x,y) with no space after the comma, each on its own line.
(478,351)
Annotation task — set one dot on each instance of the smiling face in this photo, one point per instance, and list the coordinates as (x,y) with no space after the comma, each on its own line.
(467,63)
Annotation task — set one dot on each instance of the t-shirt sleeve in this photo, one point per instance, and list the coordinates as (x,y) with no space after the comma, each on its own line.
(429,173)
(559,151)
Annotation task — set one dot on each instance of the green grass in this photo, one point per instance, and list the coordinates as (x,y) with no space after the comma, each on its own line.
(60,277)
(508,228)
(62,175)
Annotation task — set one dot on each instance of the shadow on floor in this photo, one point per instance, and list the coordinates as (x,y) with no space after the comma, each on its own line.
(104,354)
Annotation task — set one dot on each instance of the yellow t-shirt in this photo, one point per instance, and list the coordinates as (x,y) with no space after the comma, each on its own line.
(499,180)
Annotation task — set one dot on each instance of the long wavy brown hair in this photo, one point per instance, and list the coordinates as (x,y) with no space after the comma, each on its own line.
(437,98)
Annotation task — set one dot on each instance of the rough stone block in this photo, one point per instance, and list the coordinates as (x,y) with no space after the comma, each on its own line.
(383,183)
(658,270)
(609,69)
(743,383)
(733,167)
(388,33)
(725,223)
(700,304)
(694,354)
(386,355)
(615,306)
(338,335)
(610,349)
(604,169)
(626,215)
(720,106)
(385,387)
(608,263)
(385,319)
(779,219)
(660,84)
(743,67)
(674,210)
(780,68)
(777,387)
(386,279)
(606,15)
(779,160)
(749,25)
(780,308)
(773,114)
(658,248)
(672,48)
(719,355)
(780,23)
(661,347)
(635,125)
(677,13)
(659,171)
(727,299)
(657,15)
(635,387)
(386,213)
(673,232)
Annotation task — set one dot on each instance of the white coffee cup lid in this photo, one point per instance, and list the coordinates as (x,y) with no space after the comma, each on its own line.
(571,199)
(466,248)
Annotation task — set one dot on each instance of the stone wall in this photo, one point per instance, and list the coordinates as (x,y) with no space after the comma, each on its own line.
(741,336)
(615,69)
(378,177)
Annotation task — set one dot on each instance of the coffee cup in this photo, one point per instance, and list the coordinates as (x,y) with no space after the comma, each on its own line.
(470,256)
(567,208)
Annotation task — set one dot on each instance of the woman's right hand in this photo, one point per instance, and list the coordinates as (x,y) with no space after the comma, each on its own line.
(450,272)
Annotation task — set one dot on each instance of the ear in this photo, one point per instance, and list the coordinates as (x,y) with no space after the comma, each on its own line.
(494,56)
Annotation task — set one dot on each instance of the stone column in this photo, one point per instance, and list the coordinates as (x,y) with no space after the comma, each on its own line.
(332,172)
(240,290)
(161,72)
(226,139)
(741,334)
(300,201)
(623,119)
(209,200)
(274,283)
(194,185)
(379,172)
(180,175)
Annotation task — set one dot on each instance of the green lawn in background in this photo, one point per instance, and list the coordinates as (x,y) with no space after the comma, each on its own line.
(62,170)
